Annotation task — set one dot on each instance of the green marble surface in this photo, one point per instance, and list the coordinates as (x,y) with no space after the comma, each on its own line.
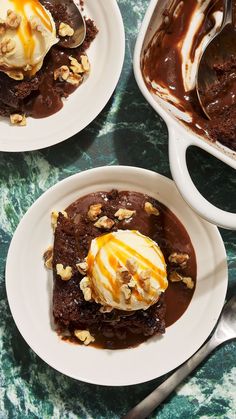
(127,132)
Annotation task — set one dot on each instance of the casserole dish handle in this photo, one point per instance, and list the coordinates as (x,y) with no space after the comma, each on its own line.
(178,146)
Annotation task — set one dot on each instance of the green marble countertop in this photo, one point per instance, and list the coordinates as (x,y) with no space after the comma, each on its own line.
(127,132)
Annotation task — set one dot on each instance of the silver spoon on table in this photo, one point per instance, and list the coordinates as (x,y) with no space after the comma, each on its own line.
(225,330)
(218,51)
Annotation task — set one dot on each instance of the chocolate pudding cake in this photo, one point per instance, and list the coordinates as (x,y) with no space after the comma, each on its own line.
(124,269)
(170,63)
(38,72)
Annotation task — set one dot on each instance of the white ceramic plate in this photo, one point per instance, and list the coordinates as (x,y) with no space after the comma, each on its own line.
(106,55)
(29,285)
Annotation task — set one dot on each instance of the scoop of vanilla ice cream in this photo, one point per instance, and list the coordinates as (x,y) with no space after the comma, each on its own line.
(27,32)
(126,271)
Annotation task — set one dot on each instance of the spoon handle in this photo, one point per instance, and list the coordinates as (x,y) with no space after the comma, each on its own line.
(154,399)
(228,12)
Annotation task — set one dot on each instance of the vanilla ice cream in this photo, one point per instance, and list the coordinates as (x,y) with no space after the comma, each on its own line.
(126,271)
(27,32)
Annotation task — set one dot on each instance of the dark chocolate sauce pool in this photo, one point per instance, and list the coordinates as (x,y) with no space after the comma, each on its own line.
(171,236)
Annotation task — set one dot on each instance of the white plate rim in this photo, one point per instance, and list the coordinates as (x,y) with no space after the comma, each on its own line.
(19,139)
(220,283)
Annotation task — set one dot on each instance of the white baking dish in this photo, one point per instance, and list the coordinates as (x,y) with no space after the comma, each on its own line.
(180,136)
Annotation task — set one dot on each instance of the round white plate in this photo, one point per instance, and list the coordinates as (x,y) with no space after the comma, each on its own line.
(29,285)
(106,55)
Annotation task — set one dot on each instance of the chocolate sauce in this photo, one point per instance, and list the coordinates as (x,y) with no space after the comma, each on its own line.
(123,329)
(162,64)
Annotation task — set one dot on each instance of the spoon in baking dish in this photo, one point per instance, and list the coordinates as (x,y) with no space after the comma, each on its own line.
(76,22)
(225,330)
(213,95)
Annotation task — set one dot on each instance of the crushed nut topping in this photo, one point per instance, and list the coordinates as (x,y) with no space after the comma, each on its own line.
(132,265)
(74,79)
(123,275)
(48,257)
(85,288)
(82,267)
(187,280)
(104,223)
(54,217)
(145,277)
(65,30)
(126,291)
(2,27)
(13,20)
(105,309)
(64,273)
(132,283)
(17,119)
(7,47)
(36,24)
(150,209)
(176,277)
(75,66)
(124,214)
(62,73)
(85,63)
(85,336)
(94,211)
(180,259)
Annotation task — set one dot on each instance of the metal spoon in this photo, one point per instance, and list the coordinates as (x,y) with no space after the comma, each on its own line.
(225,330)
(220,49)
(76,21)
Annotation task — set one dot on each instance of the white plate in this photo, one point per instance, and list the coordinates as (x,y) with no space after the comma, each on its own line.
(29,285)
(106,55)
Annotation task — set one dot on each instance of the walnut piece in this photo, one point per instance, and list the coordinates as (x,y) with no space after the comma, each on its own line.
(62,73)
(132,265)
(85,63)
(180,259)
(123,275)
(85,288)
(36,24)
(75,66)
(65,30)
(2,27)
(176,277)
(13,20)
(82,267)
(94,211)
(17,119)
(187,280)
(124,214)
(85,336)
(104,223)
(48,257)
(126,291)
(64,273)
(7,47)
(74,79)
(150,209)
(145,277)
(54,217)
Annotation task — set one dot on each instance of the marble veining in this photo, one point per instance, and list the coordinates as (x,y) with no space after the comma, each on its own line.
(128,132)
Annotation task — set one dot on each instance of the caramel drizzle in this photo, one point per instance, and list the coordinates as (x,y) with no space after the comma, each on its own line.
(24,31)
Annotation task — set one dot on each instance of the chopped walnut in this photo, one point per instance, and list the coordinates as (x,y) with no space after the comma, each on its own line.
(75,66)
(17,119)
(7,47)
(48,257)
(74,79)
(187,280)
(126,291)
(62,73)
(132,283)
(180,259)
(85,288)
(65,30)
(175,277)
(124,214)
(64,273)
(2,27)
(85,63)
(145,277)
(94,211)
(36,24)
(54,217)
(123,275)
(85,336)
(150,209)
(132,265)
(104,223)
(13,20)
(82,267)
(106,309)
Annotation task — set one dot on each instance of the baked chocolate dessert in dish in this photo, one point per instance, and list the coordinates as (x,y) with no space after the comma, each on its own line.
(170,64)
(36,72)
(124,269)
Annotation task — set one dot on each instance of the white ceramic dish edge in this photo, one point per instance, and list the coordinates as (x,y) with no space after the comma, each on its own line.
(179,140)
